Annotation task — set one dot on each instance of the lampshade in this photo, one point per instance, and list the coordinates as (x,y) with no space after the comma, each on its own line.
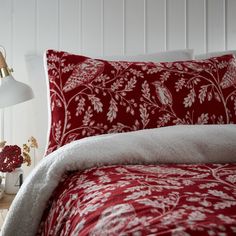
(13,92)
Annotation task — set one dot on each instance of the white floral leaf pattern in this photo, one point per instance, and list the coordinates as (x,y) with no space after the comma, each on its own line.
(112,113)
(122,199)
(189,100)
(96,102)
(202,94)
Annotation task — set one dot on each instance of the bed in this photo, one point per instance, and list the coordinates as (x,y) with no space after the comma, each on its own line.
(134,148)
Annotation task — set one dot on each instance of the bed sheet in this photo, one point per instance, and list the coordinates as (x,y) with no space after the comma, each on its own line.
(170,199)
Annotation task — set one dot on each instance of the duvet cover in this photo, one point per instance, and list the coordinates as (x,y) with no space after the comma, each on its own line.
(178,180)
(144,200)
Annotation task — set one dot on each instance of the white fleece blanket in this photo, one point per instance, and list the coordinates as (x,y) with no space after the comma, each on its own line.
(176,144)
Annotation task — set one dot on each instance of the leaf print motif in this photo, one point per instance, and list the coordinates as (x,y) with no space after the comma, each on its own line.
(87,117)
(112,113)
(229,78)
(231,178)
(144,115)
(165,76)
(224,204)
(208,185)
(58,130)
(138,194)
(84,73)
(68,68)
(196,216)
(136,72)
(179,84)
(146,90)
(209,96)
(220,194)
(203,119)
(164,119)
(96,102)
(80,107)
(117,84)
(190,99)
(217,97)
(71,137)
(131,84)
(202,93)
(226,219)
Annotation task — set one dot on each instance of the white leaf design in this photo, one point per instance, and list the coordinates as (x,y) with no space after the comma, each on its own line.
(179,84)
(202,93)
(117,84)
(189,100)
(144,115)
(130,85)
(146,90)
(96,102)
(112,113)
(58,131)
(80,107)
(87,116)
(231,178)
(217,96)
(165,76)
(203,119)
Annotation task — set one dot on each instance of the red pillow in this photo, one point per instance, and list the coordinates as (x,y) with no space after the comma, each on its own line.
(92,97)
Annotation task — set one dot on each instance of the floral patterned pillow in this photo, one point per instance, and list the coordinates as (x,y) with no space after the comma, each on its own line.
(92,97)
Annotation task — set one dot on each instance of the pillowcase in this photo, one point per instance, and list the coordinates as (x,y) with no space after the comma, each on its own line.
(167,56)
(214,54)
(36,73)
(91,97)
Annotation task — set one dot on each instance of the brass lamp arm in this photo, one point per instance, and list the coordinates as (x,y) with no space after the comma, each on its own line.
(4,70)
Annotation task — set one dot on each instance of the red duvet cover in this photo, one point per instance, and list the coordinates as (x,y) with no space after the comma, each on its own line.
(174,199)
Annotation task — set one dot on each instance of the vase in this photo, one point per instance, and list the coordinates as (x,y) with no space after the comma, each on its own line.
(13,181)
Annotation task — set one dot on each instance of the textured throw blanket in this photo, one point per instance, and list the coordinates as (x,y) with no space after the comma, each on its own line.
(176,144)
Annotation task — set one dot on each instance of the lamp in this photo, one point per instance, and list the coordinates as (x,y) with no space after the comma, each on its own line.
(11,91)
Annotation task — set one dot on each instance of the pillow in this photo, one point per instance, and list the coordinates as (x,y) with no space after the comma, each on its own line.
(167,56)
(36,74)
(214,54)
(91,97)
(37,78)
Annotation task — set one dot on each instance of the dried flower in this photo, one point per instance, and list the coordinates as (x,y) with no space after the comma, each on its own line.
(2,144)
(12,157)
(26,148)
(27,158)
(33,142)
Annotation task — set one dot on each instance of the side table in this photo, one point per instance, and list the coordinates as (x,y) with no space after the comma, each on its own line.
(5,203)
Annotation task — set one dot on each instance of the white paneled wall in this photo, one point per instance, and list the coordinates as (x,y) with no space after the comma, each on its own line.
(107,27)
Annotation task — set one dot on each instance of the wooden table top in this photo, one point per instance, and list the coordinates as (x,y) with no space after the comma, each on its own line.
(6,201)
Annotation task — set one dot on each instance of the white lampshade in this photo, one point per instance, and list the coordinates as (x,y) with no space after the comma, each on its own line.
(13,92)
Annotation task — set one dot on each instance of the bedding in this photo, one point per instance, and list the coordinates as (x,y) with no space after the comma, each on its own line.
(36,75)
(123,184)
(214,54)
(144,200)
(92,97)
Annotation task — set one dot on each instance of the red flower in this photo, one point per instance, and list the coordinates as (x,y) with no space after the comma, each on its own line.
(10,158)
